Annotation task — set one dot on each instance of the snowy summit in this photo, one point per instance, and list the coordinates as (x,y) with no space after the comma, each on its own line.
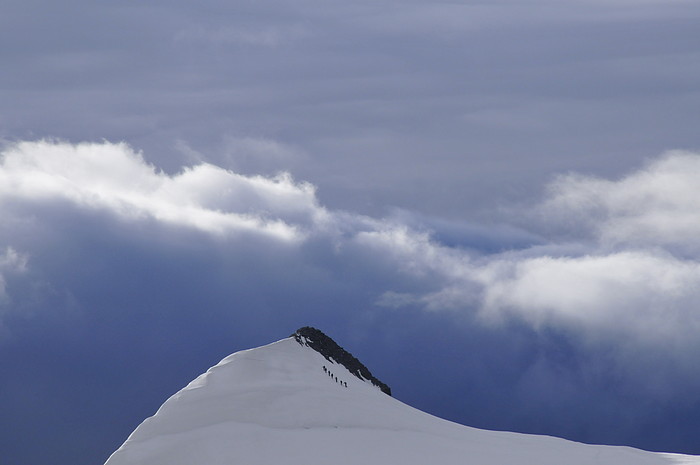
(306,400)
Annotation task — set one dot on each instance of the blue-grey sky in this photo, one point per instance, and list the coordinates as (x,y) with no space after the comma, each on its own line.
(494,205)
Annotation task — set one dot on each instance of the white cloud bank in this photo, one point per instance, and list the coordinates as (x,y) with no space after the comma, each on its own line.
(657,206)
(113,177)
(621,259)
(641,293)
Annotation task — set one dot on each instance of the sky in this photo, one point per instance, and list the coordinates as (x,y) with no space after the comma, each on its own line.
(510,188)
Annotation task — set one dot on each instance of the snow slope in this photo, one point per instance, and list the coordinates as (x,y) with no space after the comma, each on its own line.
(275,404)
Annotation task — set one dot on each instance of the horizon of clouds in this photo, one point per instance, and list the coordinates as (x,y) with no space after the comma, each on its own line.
(620,258)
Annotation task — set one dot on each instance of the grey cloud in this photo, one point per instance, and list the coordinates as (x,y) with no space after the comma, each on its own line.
(426,94)
(267,37)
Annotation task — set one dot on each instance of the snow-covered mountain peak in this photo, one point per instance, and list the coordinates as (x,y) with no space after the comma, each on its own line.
(286,402)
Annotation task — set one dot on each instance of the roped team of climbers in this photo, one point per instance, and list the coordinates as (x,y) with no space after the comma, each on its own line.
(326,370)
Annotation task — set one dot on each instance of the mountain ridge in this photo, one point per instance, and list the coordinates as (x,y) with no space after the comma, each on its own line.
(326,346)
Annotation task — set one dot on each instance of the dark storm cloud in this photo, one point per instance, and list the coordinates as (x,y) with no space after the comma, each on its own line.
(121,282)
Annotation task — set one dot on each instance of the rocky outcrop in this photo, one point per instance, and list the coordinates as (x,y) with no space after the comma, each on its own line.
(327,347)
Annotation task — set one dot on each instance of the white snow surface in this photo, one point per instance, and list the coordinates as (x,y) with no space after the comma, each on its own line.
(274,404)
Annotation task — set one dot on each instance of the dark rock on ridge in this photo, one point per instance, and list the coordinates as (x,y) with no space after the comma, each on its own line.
(327,347)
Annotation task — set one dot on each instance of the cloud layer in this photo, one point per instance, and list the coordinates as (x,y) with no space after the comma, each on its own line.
(617,255)
(485,100)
